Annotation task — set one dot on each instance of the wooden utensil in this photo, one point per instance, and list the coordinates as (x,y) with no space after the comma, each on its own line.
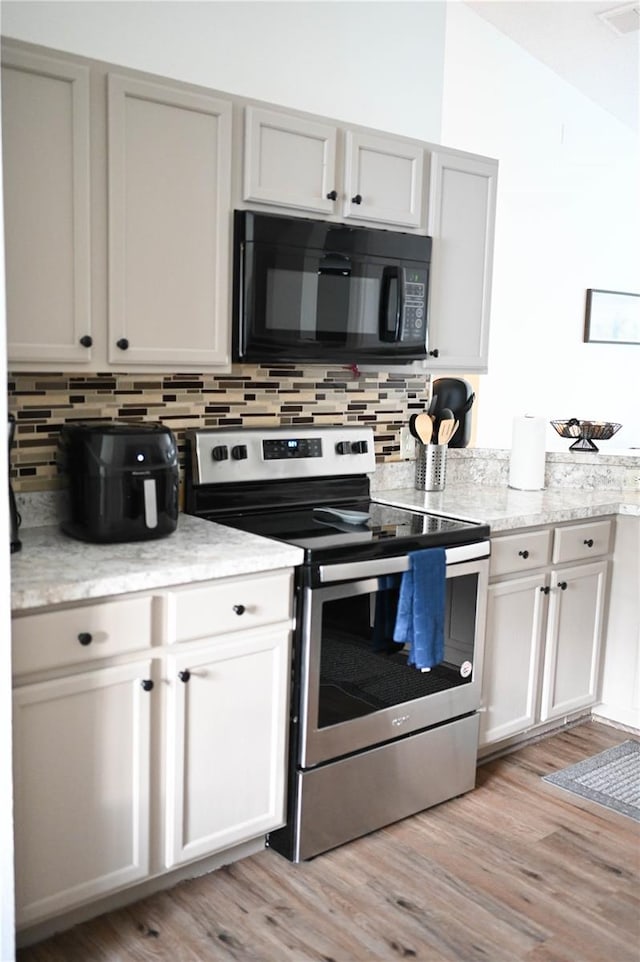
(412,427)
(446,431)
(424,427)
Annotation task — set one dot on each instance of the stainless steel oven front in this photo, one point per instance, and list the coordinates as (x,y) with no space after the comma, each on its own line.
(356,689)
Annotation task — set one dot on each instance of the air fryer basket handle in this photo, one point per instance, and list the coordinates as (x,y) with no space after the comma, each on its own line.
(150,503)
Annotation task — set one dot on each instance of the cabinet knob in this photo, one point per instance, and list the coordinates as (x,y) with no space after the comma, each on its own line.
(562,585)
(524,554)
(239,609)
(434,353)
(184,675)
(122,343)
(332,195)
(147,684)
(85,638)
(588,542)
(357,199)
(545,589)
(86,340)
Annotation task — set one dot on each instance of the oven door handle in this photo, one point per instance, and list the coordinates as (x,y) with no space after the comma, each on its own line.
(390,566)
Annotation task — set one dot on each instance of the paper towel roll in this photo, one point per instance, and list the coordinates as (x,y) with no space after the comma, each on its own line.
(526,465)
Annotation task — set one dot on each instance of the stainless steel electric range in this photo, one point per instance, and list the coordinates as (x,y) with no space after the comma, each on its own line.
(372,738)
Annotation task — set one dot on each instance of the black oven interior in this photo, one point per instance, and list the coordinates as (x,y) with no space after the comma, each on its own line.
(362,670)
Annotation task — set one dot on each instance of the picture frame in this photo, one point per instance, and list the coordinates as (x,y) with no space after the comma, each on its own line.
(612,317)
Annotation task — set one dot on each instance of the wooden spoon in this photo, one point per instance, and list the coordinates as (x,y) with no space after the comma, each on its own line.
(447,429)
(424,427)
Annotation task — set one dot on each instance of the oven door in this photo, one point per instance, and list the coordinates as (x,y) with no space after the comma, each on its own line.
(357,689)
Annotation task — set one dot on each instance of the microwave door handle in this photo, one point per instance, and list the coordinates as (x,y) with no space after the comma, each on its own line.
(388,333)
(334,263)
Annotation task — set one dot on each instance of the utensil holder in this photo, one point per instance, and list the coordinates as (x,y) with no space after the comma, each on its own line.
(431,467)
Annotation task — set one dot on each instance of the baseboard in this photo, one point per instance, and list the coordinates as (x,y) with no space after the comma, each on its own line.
(626,719)
(44,930)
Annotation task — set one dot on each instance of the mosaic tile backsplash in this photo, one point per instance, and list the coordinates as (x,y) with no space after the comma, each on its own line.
(250,396)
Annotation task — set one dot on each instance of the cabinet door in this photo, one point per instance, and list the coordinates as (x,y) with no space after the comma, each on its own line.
(461,221)
(81,788)
(572,652)
(169,164)
(383,180)
(289,161)
(226,729)
(515,623)
(45,140)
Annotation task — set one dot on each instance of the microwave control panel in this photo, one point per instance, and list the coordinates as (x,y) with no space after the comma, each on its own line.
(415,305)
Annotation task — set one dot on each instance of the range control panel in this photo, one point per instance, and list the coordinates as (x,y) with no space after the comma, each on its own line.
(276,449)
(220,456)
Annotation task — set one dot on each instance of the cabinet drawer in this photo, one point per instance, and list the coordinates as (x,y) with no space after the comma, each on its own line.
(578,541)
(232,605)
(85,633)
(520,552)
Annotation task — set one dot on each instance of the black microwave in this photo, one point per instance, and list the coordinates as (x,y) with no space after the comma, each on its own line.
(314,291)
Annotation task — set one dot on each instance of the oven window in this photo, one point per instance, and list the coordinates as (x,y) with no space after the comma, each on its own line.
(362,670)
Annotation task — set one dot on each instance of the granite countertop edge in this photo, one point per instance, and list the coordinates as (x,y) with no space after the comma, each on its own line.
(506,509)
(53,568)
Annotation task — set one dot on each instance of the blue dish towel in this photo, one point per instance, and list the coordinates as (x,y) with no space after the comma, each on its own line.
(420,619)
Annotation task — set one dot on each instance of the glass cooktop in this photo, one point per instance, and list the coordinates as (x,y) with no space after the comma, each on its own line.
(364,527)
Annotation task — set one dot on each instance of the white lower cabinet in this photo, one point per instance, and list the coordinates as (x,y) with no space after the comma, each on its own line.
(544,628)
(226,743)
(162,702)
(82,765)
(515,622)
(574,632)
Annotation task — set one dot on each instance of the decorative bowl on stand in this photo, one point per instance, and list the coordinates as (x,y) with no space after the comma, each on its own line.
(585,432)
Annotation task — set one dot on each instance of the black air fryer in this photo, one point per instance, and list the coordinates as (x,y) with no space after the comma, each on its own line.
(123,480)
(456,394)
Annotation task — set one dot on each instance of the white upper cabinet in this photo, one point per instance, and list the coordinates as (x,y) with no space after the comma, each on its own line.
(383,180)
(289,161)
(307,165)
(169,165)
(118,214)
(45,140)
(462,222)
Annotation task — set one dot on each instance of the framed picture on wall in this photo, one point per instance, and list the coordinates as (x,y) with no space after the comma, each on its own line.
(612,317)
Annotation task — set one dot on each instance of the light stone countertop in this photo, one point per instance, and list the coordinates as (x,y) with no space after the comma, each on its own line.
(506,509)
(53,568)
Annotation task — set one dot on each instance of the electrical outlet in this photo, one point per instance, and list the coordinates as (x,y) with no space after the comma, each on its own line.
(407,444)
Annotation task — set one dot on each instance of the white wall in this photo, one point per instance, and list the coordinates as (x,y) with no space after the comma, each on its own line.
(378,64)
(567,220)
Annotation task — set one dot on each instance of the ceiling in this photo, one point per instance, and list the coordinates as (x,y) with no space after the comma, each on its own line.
(569,37)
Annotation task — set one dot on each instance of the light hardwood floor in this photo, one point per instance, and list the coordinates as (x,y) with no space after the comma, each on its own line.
(515,870)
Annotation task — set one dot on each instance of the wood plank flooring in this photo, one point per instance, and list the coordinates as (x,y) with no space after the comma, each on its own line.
(515,871)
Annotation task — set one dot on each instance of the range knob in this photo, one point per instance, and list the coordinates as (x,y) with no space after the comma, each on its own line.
(359,447)
(239,452)
(220,452)
(343,447)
